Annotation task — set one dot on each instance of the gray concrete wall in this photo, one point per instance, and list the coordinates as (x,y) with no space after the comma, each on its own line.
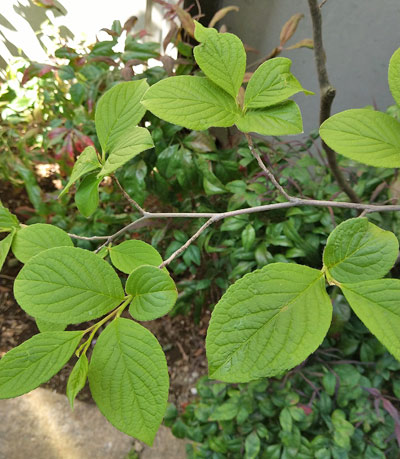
(359,37)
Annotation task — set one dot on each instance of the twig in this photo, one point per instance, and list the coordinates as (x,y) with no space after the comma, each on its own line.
(88,238)
(216,216)
(327,94)
(118,233)
(189,241)
(265,169)
(131,201)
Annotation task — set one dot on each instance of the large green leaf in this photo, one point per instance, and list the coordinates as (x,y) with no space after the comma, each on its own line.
(192,102)
(5,245)
(222,58)
(394,76)
(125,148)
(128,378)
(271,84)
(87,194)
(119,111)
(282,119)
(358,250)
(367,136)
(8,221)
(86,162)
(35,361)
(45,326)
(377,304)
(67,285)
(33,239)
(154,292)
(129,255)
(268,322)
(77,379)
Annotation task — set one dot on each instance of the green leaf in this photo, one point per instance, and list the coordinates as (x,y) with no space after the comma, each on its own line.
(226,411)
(45,326)
(271,84)
(222,58)
(118,111)
(129,255)
(33,239)
(192,102)
(125,148)
(367,136)
(8,221)
(282,119)
(394,76)
(77,378)
(86,162)
(252,446)
(248,236)
(35,361)
(77,92)
(358,250)
(5,245)
(154,292)
(67,285)
(268,322)
(128,378)
(87,195)
(377,304)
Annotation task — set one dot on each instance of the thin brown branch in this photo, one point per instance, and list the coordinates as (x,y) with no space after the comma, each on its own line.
(88,238)
(214,217)
(189,241)
(131,201)
(265,169)
(327,94)
(120,232)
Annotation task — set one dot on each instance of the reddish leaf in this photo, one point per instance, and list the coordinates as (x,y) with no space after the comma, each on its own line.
(130,23)
(221,14)
(289,28)
(306,43)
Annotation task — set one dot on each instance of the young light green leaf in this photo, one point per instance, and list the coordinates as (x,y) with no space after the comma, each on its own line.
(33,239)
(67,285)
(118,111)
(394,76)
(222,58)
(129,255)
(268,322)
(46,326)
(282,119)
(154,292)
(8,221)
(86,162)
(87,194)
(77,379)
(5,245)
(192,102)
(358,250)
(35,361)
(377,304)
(271,84)
(125,148)
(128,378)
(367,136)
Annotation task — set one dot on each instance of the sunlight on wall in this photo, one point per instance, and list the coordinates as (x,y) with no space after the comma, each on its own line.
(83,21)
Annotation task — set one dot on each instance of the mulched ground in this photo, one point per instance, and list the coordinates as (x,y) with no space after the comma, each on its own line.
(182,340)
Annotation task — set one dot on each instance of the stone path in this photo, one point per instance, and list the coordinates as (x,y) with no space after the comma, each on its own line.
(41,425)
